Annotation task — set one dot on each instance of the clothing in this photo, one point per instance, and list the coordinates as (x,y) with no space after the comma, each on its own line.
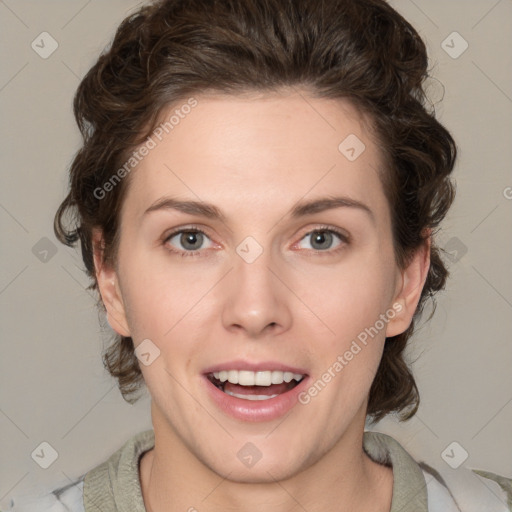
(114,486)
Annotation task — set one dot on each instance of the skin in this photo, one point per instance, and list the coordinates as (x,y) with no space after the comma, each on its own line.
(299,303)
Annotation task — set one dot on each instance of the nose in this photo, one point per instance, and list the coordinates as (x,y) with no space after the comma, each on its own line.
(256,299)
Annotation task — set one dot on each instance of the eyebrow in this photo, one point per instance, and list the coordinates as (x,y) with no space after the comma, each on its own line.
(301,209)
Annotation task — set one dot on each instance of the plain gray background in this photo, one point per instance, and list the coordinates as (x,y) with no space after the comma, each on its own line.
(53,385)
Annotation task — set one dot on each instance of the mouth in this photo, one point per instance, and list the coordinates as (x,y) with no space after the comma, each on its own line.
(255,386)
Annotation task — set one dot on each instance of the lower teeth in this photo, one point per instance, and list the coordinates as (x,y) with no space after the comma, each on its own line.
(250,397)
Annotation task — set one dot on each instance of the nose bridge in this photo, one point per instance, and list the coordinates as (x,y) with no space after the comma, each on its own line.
(252,267)
(255,297)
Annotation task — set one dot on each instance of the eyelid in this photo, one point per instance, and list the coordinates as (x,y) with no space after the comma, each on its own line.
(325,227)
(186,228)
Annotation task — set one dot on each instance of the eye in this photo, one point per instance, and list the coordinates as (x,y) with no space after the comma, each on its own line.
(322,239)
(188,242)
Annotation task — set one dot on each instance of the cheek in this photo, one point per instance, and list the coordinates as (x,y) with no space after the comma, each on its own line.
(351,335)
(159,293)
(349,299)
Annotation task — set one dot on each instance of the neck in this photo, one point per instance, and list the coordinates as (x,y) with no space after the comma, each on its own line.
(345,479)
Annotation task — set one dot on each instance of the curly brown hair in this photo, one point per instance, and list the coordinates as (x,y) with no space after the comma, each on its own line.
(360,50)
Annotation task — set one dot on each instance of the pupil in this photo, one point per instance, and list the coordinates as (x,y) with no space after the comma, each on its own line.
(191,238)
(321,237)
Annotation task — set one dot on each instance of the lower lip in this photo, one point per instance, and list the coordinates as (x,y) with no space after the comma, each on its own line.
(255,410)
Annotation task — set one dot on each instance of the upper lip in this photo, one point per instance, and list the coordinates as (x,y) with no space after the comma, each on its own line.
(254,367)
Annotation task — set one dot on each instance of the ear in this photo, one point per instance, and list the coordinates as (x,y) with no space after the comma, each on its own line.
(409,285)
(109,287)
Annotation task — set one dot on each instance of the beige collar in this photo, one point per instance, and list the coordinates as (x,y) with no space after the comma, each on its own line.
(114,486)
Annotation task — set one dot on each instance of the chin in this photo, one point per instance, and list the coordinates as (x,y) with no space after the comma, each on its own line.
(260,473)
(243,462)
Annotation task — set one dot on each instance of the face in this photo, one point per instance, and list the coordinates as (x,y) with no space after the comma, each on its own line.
(255,248)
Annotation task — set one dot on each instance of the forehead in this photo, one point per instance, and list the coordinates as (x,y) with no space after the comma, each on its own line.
(258,152)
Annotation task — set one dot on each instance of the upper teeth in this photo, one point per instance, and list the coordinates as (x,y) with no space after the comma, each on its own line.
(247,378)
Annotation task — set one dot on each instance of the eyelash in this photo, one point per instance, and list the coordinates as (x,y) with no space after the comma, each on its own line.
(193,229)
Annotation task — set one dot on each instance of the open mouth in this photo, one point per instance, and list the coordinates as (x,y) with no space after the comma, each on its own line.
(248,385)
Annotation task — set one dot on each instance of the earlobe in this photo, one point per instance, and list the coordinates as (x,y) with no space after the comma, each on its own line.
(410,283)
(107,279)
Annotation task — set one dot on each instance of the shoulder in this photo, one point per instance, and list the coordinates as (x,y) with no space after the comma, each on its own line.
(472,490)
(419,486)
(113,484)
(68,498)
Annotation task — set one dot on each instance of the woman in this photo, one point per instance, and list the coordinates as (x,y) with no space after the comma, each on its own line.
(256,200)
